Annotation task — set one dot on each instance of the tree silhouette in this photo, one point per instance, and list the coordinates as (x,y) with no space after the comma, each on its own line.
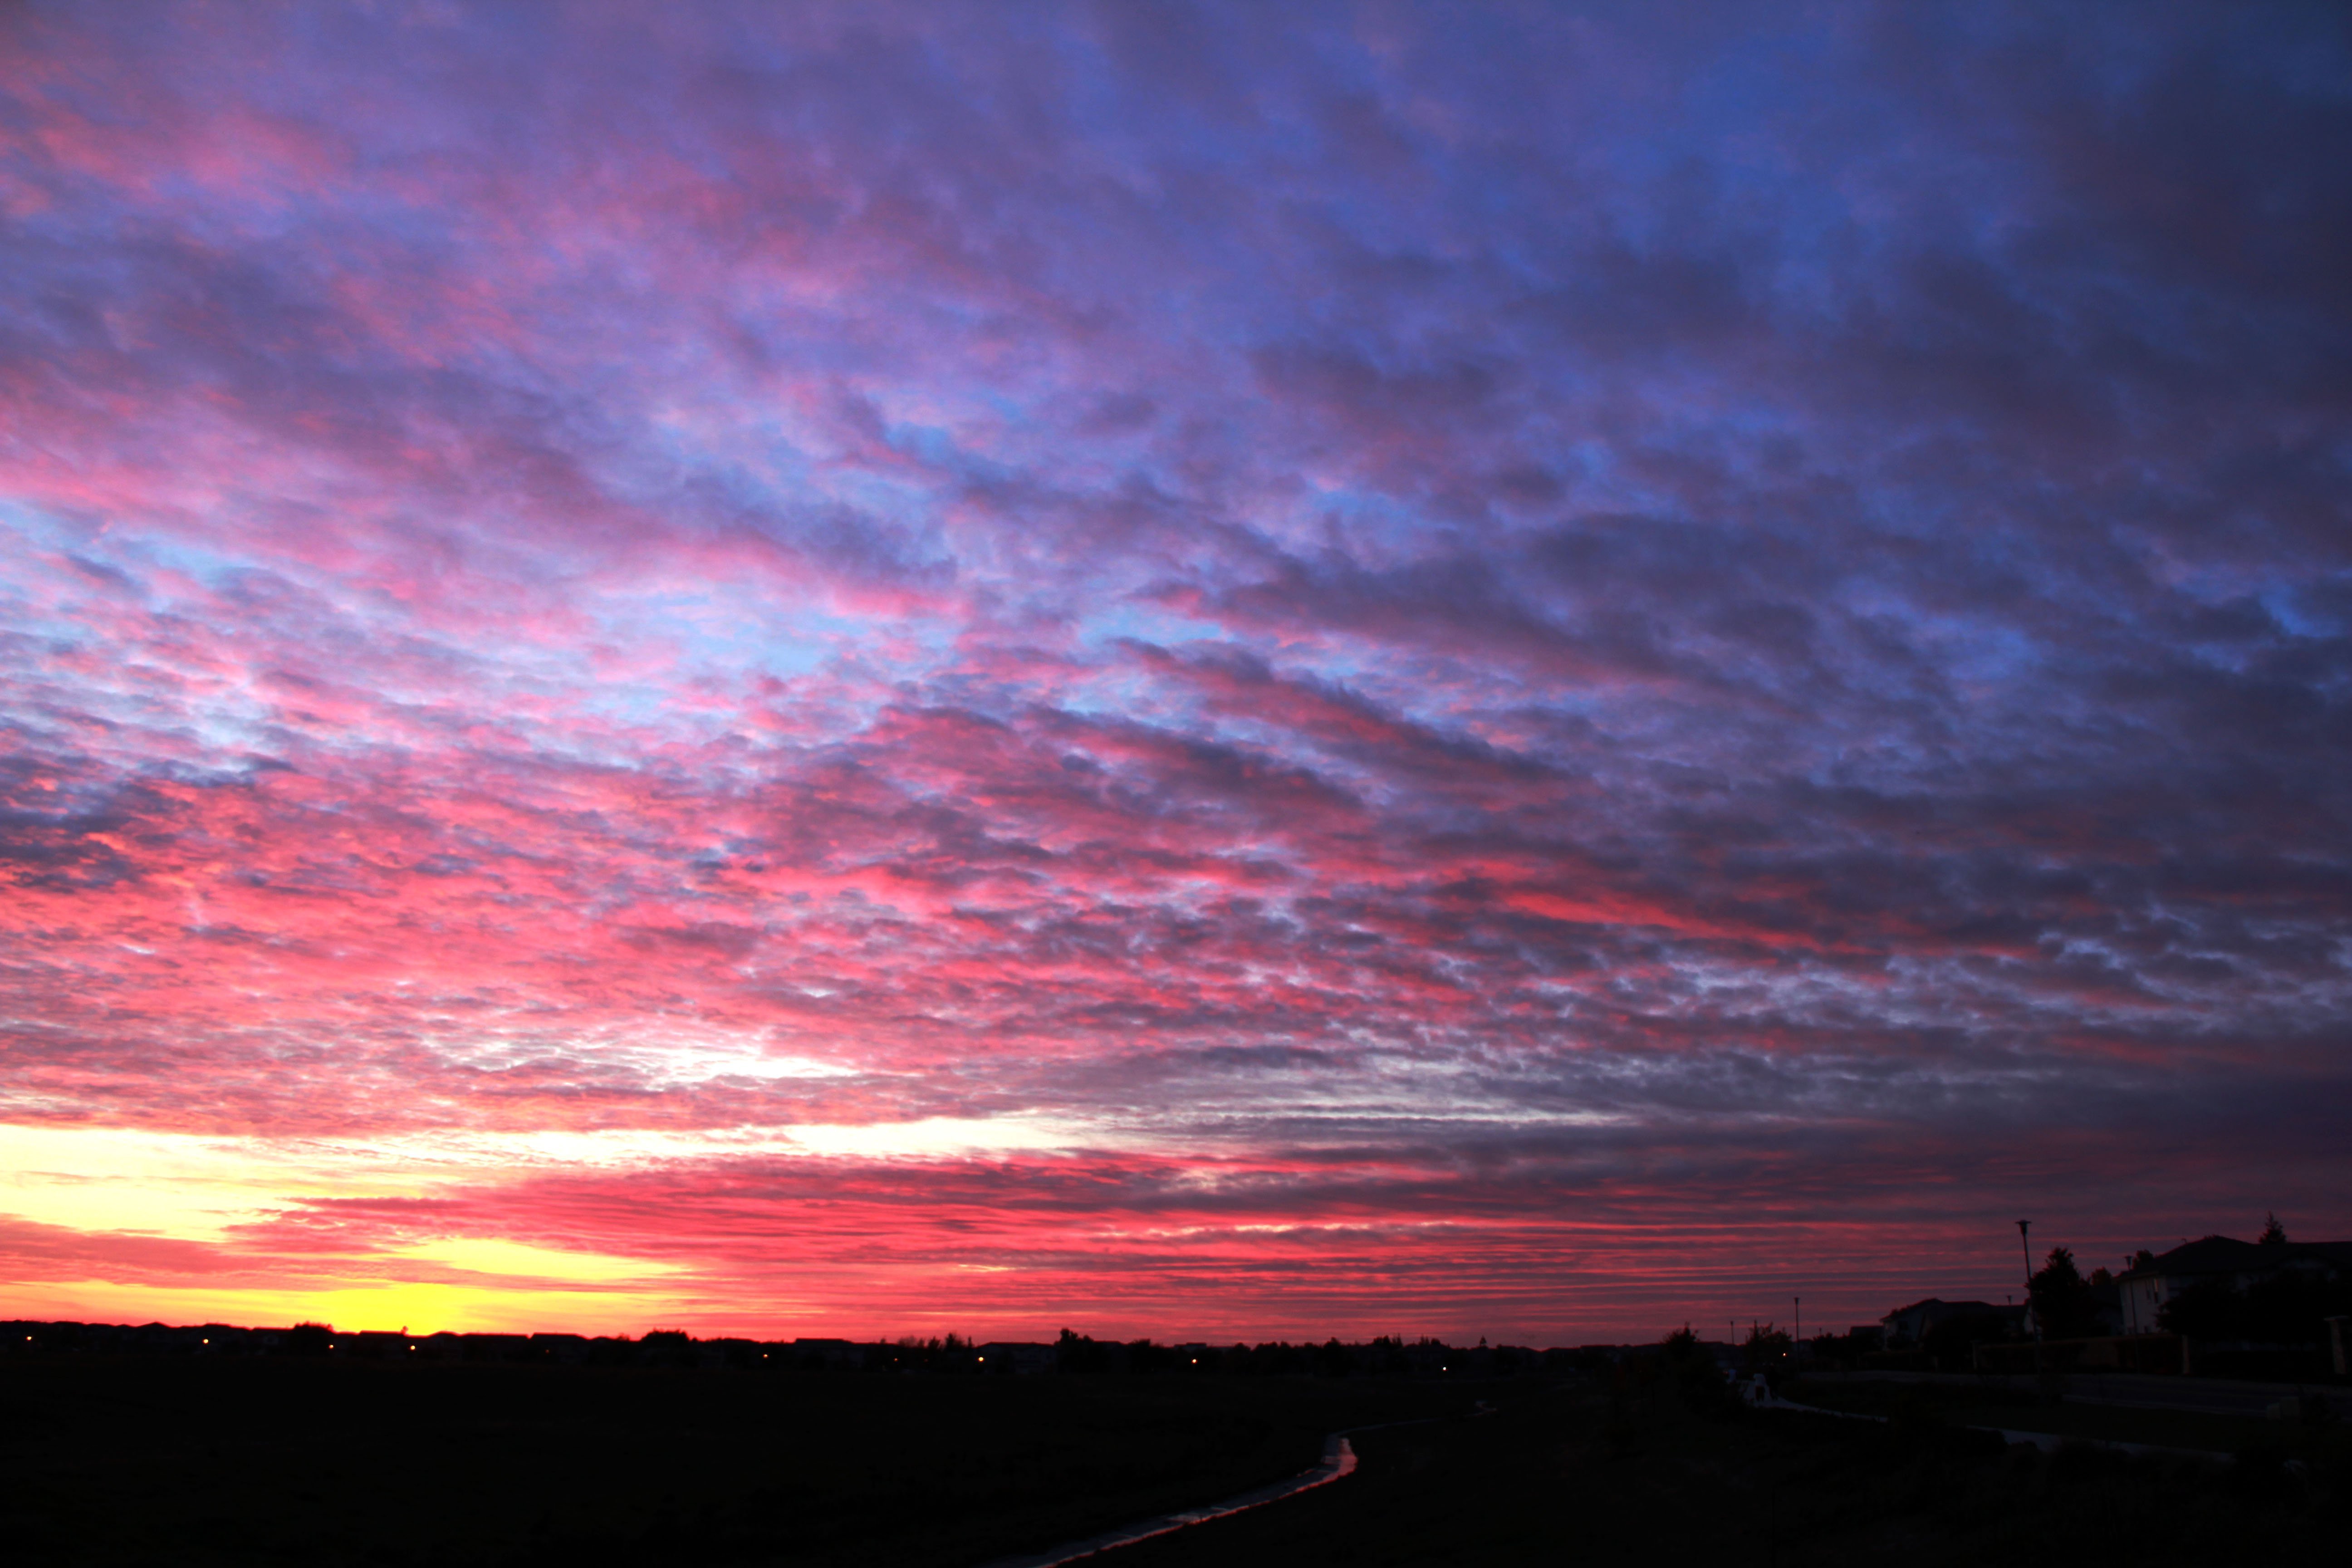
(2061,1298)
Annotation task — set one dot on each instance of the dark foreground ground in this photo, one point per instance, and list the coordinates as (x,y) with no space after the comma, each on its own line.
(1597,1475)
(188,1462)
(288,1462)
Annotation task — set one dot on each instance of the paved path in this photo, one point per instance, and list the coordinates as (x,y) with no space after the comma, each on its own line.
(2209,1397)
(1339,1461)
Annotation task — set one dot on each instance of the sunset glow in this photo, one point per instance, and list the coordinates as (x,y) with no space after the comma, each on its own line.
(1225,673)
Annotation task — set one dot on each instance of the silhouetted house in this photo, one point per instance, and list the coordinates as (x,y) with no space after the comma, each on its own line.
(1005,1355)
(375,1344)
(497,1347)
(306,1340)
(1905,1327)
(2221,1260)
(828,1353)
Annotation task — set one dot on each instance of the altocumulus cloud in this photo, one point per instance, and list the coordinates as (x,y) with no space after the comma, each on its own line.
(1221,669)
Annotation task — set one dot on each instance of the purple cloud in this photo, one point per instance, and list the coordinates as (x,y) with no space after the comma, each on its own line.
(1215,647)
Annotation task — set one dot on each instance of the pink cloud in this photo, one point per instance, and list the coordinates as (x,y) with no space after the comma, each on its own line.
(1483,715)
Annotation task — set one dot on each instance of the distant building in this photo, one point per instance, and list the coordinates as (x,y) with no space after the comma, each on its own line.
(1005,1355)
(1904,1327)
(498,1347)
(2218,1259)
(375,1344)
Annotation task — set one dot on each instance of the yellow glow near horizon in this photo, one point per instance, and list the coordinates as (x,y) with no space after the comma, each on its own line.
(192,1187)
(57,1160)
(117,1188)
(419,1307)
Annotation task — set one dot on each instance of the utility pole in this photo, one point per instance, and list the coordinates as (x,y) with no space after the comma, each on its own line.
(1798,1303)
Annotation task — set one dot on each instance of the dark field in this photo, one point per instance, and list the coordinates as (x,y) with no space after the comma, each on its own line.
(149,1461)
(1595,1476)
(152,1460)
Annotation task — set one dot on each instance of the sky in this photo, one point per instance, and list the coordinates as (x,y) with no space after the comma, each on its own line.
(1223,672)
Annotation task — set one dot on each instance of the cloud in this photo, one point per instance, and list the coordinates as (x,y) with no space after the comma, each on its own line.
(1470,655)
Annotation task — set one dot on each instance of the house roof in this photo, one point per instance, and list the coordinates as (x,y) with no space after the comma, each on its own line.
(2226,1255)
(2210,1255)
(1936,1307)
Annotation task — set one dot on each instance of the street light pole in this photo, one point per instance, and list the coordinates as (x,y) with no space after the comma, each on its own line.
(2027,1248)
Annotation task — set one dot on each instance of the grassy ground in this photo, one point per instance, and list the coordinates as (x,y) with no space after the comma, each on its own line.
(285,1462)
(1599,1477)
(272,1462)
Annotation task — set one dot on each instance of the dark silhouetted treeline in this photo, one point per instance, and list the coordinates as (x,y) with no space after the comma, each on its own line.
(950,1355)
